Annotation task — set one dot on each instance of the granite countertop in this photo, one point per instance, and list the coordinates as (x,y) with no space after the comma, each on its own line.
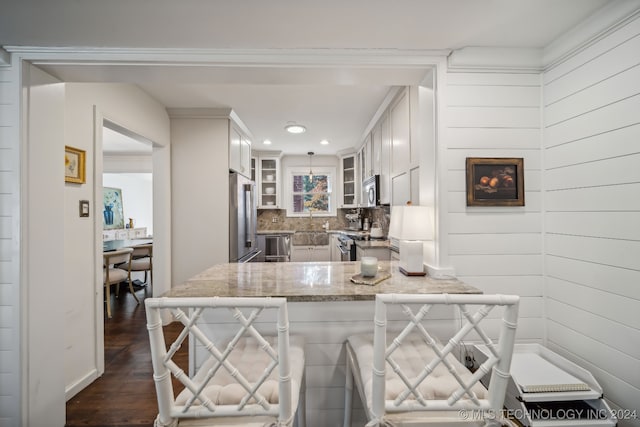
(275,232)
(308,281)
(367,244)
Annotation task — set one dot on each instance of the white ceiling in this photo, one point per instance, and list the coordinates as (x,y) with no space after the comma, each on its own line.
(334,102)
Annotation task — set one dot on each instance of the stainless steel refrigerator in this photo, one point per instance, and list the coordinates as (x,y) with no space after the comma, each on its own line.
(243,246)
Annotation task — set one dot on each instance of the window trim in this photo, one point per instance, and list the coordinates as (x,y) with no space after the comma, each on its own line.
(320,170)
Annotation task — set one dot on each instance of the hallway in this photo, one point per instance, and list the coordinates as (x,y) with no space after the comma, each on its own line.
(125,395)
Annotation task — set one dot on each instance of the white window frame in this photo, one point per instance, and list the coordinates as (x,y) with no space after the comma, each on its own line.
(320,170)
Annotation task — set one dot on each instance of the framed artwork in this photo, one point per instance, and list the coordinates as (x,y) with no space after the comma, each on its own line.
(112,215)
(495,181)
(74,165)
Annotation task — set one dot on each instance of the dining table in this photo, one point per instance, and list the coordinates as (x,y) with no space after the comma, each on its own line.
(114,245)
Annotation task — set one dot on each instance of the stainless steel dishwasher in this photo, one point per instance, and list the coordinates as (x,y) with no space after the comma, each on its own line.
(275,247)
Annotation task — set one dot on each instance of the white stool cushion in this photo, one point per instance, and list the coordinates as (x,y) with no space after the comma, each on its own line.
(411,356)
(224,390)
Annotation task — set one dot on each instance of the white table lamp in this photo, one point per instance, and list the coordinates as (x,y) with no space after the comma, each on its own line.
(411,225)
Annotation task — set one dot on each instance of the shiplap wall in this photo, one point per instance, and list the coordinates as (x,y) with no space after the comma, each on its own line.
(9,263)
(497,249)
(592,212)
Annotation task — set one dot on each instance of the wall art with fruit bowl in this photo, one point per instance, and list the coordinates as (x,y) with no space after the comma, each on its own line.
(495,181)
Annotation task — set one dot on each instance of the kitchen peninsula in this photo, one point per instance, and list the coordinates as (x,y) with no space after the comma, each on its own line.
(308,282)
(325,307)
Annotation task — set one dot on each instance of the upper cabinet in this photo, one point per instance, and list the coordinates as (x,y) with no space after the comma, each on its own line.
(268,183)
(387,151)
(349,184)
(239,151)
(385,160)
(400,134)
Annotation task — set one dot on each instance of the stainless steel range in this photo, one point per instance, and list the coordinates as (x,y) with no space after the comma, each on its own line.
(347,247)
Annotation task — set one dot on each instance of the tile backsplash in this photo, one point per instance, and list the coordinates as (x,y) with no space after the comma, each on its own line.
(283,222)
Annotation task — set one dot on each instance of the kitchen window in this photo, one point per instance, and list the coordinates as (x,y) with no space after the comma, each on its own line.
(311,194)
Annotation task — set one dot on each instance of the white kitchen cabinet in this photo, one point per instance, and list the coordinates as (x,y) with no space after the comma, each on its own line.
(349,184)
(401,189)
(269,185)
(310,253)
(414,185)
(385,160)
(254,165)
(400,134)
(239,152)
(376,149)
(321,253)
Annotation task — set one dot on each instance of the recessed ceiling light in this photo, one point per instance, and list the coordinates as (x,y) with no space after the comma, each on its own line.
(295,128)
(266,142)
(324,142)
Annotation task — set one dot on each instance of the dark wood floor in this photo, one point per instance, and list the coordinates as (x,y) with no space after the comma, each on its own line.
(125,395)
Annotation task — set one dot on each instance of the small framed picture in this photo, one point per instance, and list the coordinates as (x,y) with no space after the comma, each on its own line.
(495,181)
(74,165)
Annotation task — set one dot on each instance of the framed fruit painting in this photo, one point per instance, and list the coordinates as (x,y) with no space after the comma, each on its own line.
(495,181)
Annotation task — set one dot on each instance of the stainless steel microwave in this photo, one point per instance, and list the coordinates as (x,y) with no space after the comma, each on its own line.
(371,191)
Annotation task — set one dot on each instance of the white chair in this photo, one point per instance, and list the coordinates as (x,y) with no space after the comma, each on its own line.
(246,379)
(410,378)
(142,260)
(113,274)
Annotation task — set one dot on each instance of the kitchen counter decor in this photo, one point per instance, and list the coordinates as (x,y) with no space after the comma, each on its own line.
(381,275)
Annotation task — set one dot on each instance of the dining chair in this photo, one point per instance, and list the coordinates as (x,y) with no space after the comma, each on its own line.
(245,369)
(142,260)
(114,274)
(410,376)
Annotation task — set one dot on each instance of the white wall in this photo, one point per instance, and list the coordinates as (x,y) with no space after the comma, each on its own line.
(137,196)
(9,248)
(131,108)
(200,195)
(497,249)
(43,259)
(592,212)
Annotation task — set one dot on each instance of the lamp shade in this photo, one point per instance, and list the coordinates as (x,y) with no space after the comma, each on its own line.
(396,221)
(411,222)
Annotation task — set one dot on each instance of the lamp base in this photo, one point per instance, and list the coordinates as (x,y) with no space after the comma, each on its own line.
(412,273)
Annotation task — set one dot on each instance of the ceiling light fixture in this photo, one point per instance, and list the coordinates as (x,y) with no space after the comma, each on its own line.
(266,142)
(324,142)
(310,153)
(295,128)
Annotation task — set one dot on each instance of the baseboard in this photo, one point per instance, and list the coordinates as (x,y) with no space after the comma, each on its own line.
(80,385)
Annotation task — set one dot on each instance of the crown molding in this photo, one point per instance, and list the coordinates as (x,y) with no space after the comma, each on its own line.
(596,27)
(231,57)
(495,59)
(5,57)
(199,113)
(209,113)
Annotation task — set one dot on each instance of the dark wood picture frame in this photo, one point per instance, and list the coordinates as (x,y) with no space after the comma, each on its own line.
(497,181)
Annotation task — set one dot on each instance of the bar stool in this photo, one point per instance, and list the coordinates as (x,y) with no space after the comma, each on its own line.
(411,378)
(241,377)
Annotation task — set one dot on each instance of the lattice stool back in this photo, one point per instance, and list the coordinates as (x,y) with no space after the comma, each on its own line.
(250,375)
(404,375)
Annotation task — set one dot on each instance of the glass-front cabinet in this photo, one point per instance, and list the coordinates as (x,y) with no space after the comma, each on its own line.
(269,182)
(349,181)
